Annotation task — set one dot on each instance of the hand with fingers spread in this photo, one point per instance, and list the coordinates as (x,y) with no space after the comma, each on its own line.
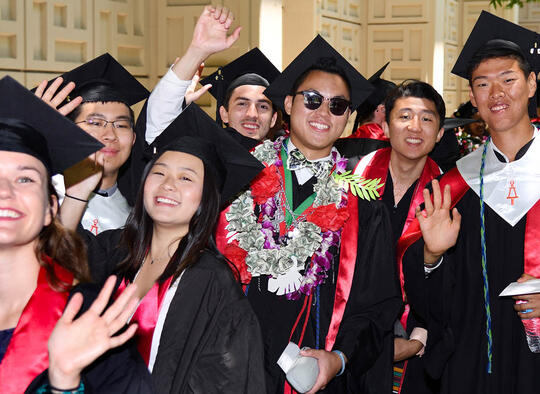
(54,98)
(191,93)
(439,229)
(329,366)
(531,307)
(211,35)
(76,343)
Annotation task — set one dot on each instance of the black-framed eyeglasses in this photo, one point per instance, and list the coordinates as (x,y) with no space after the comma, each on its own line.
(99,123)
(313,100)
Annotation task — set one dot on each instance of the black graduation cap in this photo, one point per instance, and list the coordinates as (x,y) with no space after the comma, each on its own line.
(252,68)
(381,88)
(29,125)
(318,52)
(492,32)
(194,132)
(452,123)
(104,70)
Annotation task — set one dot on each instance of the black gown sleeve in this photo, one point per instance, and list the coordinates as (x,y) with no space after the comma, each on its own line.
(365,333)
(120,370)
(211,340)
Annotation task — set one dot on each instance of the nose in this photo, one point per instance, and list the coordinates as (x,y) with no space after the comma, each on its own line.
(414,123)
(252,110)
(168,183)
(109,133)
(496,90)
(6,189)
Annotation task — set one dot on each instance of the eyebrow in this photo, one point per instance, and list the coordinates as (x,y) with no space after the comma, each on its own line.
(421,111)
(121,117)
(248,99)
(28,168)
(180,168)
(499,75)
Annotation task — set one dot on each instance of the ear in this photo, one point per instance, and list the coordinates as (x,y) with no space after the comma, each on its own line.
(274,118)
(386,129)
(531,83)
(224,114)
(440,134)
(134,138)
(51,210)
(288,104)
(471,97)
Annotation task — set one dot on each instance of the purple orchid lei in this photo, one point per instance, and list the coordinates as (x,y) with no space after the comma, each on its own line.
(321,260)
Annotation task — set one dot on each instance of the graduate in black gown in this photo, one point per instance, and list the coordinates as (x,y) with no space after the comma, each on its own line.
(477,341)
(414,122)
(197,331)
(339,296)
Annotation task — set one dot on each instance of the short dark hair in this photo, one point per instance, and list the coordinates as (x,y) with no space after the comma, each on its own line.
(242,80)
(499,49)
(418,89)
(137,234)
(325,64)
(99,93)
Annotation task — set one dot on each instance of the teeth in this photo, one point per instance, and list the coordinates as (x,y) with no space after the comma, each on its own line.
(413,140)
(498,107)
(166,201)
(250,126)
(319,126)
(8,213)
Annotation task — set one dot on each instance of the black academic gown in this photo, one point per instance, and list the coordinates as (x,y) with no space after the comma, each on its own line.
(366,327)
(120,370)
(211,340)
(416,380)
(457,344)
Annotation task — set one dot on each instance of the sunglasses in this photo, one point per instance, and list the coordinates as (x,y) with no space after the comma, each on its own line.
(313,100)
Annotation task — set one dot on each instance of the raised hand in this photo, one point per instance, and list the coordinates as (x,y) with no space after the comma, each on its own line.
(54,98)
(439,229)
(192,94)
(211,33)
(75,344)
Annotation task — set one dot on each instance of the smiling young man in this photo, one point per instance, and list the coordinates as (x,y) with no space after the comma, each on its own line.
(107,91)
(305,247)
(238,87)
(477,341)
(414,124)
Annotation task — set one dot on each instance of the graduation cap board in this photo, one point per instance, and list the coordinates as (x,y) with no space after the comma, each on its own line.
(194,132)
(252,68)
(29,125)
(104,70)
(452,123)
(509,37)
(318,52)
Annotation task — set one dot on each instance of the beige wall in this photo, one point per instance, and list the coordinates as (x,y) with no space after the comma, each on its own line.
(422,38)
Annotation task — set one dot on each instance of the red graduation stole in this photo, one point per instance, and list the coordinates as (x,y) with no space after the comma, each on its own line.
(370,130)
(27,355)
(378,168)
(146,315)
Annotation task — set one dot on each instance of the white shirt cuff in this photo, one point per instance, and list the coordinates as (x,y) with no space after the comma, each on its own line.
(420,334)
(164,104)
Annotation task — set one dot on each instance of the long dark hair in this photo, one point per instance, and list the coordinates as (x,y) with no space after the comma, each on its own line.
(63,246)
(137,235)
